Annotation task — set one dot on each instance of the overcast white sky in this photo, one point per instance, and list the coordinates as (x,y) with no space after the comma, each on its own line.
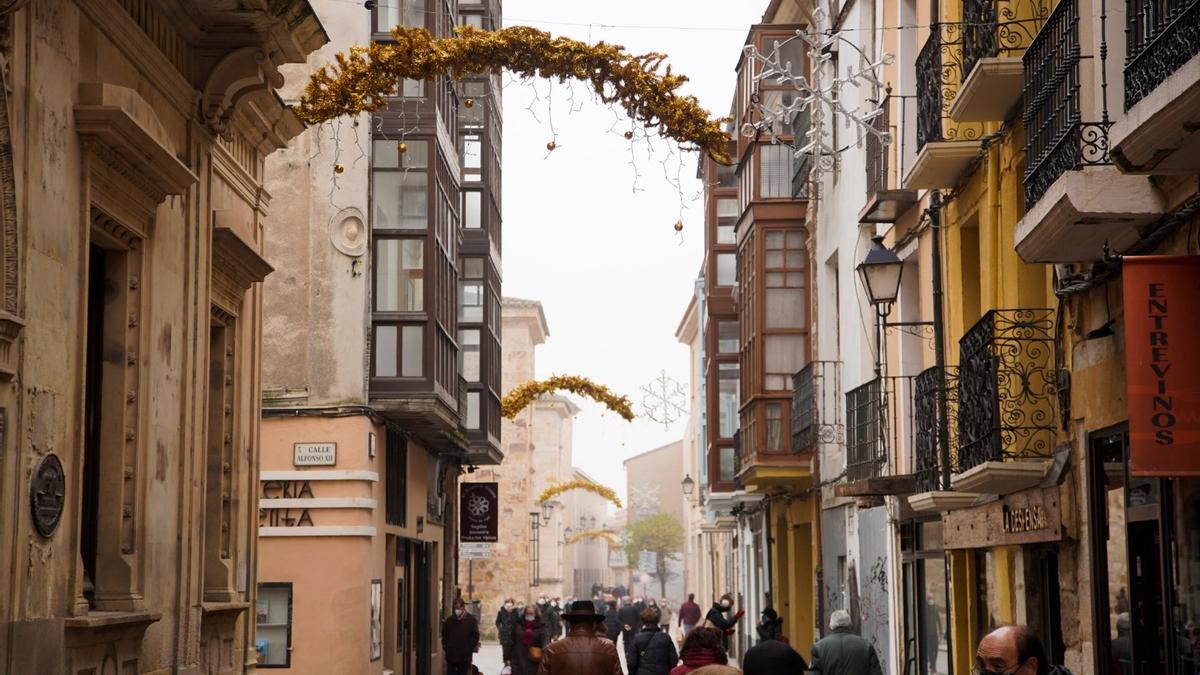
(606,262)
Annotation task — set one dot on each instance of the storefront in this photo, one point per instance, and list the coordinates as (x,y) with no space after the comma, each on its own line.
(926,596)
(1145,564)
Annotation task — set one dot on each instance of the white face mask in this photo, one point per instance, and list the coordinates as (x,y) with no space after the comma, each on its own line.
(542,601)
(508,605)
(529,616)
(725,604)
(458,613)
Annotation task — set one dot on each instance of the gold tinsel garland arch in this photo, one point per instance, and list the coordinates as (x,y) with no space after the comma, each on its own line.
(364,78)
(579,484)
(594,534)
(524,394)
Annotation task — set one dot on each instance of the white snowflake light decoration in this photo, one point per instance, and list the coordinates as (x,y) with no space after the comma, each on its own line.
(664,400)
(817,94)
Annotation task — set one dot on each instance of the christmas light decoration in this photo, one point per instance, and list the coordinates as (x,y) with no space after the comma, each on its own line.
(820,96)
(523,395)
(579,484)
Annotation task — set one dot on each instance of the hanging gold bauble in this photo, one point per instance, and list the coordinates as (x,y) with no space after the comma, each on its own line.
(679,226)
(469,103)
(338,168)
(402,148)
(628,135)
(551,146)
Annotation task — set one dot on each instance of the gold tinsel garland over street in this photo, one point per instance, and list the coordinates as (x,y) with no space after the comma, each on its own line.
(593,534)
(595,488)
(522,395)
(362,80)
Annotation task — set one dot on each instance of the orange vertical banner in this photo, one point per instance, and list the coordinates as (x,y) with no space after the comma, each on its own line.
(1162,364)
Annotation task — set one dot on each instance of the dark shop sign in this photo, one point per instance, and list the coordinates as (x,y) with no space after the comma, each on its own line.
(479,512)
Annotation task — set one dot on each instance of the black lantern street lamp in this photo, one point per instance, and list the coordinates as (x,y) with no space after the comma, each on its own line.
(689,486)
(880,274)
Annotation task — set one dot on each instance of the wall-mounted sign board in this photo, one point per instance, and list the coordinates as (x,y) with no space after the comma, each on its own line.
(314,454)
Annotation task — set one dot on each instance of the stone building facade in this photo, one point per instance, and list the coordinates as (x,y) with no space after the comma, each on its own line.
(133,137)
(528,560)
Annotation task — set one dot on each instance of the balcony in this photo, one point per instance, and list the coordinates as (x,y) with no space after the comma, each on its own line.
(1160,132)
(885,203)
(945,148)
(816,415)
(995,35)
(1075,200)
(878,430)
(933,493)
(1007,401)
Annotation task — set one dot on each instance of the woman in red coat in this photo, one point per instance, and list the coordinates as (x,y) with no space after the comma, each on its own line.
(702,647)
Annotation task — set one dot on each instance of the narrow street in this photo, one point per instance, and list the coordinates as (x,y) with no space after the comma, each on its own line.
(856,338)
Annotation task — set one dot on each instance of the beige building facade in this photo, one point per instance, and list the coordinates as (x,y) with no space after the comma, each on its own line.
(654,483)
(529,559)
(585,562)
(133,137)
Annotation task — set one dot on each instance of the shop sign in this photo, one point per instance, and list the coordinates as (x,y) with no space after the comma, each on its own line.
(475,551)
(1026,517)
(1162,364)
(479,512)
(314,454)
(274,516)
(617,559)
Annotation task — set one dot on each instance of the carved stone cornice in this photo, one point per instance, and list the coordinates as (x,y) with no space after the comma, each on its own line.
(124,132)
(238,75)
(236,258)
(10,330)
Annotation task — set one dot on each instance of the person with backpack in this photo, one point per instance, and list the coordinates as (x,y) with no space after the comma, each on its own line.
(652,651)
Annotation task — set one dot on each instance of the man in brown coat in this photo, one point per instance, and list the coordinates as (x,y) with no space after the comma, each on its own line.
(581,652)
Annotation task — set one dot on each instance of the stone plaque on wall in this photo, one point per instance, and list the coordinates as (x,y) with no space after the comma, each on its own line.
(314,454)
(1027,517)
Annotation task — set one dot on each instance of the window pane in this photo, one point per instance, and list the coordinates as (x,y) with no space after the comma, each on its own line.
(472,201)
(468,354)
(416,154)
(414,13)
(472,268)
(784,357)
(728,465)
(387,15)
(472,410)
(727,400)
(472,152)
(774,178)
(726,269)
(727,207)
(385,154)
(774,426)
(385,351)
(273,619)
(785,308)
(386,196)
(412,339)
(399,275)
(470,302)
(726,176)
(414,201)
(726,234)
(727,337)
(410,88)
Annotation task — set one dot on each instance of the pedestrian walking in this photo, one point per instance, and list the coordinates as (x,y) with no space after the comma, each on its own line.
(773,656)
(1012,650)
(504,621)
(770,625)
(630,617)
(718,617)
(582,651)
(612,624)
(844,653)
(702,647)
(529,638)
(689,615)
(460,639)
(664,607)
(553,615)
(653,651)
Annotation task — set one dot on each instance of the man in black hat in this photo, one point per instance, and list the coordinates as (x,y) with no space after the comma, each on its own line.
(581,652)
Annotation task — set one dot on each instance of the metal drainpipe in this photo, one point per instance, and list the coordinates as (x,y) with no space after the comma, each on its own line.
(939,339)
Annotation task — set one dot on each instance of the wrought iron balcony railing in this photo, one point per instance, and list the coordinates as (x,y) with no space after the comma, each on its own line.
(929,387)
(1160,37)
(816,415)
(877,425)
(1003,28)
(1056,138)
(801,168)
(939,74)
(1007,388)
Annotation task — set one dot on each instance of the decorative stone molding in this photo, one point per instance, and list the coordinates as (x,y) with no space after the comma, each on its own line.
(117,125)
(239,74)
(232,255)
(10,330)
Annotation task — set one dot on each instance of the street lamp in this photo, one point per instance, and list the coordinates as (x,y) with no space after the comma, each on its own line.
(567,535)
(880,274)
(548,511)
(689,486)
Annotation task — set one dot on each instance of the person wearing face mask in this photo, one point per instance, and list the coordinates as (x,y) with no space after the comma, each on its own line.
(716,617)
(460,639)
(553,614)
(529,637)
(504,621)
